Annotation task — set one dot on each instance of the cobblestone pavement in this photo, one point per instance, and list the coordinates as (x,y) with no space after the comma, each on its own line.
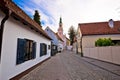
(69,66)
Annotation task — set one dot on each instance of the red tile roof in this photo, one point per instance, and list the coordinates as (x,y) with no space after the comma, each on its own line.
(99,28)
(6,5)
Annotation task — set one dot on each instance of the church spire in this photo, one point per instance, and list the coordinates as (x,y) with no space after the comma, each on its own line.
(60,20)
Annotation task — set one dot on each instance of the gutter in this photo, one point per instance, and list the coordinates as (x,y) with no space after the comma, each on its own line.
(8,13)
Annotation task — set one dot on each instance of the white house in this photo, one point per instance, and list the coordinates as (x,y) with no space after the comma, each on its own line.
(57,42)
(60,43)
(88,33)
(23,43)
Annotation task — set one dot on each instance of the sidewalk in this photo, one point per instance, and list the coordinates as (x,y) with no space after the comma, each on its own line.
(113,68)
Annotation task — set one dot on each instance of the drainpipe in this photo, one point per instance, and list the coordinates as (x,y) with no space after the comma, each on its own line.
(8,13)
(81,47)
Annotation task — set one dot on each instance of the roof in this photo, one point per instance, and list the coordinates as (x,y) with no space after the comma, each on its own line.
(67,39)
(59,37)
(16,12)
(99,28)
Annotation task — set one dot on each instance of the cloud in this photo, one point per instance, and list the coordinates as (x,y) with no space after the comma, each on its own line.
(29,6)
(72,11)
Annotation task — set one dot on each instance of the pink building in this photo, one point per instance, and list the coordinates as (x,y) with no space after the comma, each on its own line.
(60,33)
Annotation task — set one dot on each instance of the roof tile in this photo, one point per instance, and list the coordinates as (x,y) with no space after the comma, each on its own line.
(99,28)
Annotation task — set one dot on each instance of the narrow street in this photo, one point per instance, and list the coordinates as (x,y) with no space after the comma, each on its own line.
(69,66)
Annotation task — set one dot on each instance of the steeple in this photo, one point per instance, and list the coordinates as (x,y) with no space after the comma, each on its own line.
(60,21)
(60,29)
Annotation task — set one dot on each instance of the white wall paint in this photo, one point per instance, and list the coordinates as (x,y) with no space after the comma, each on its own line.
(79,35)
(109,54)
(1,17)
(89,41)
(14,30)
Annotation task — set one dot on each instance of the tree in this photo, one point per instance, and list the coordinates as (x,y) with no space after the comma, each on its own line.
(104,42)
(71,33)
(37,17)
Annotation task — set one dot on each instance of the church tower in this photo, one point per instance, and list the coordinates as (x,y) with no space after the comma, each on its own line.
(60,33)
(60,29)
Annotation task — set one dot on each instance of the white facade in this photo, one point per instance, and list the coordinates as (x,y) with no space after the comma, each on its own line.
(1,17)
(89,41)
(109,54)
(79,37)
(60,45)
(13,30)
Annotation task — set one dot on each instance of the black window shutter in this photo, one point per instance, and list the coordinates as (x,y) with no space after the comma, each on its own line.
(41,49)
(45,49)
(20,50)
(34,50)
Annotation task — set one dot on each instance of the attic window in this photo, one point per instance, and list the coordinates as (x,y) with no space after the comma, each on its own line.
(111,23)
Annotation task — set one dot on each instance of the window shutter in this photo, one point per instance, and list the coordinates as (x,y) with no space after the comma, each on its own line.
(20,50)
(40,49)
(34,50)
(45,49)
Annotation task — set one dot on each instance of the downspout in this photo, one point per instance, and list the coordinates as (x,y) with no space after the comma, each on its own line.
(81,47)
(2,28)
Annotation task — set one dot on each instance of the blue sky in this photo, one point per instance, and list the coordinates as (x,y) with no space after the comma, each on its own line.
(29,6)
(72,11)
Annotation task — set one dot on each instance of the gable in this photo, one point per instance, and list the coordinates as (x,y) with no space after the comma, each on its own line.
(52,35)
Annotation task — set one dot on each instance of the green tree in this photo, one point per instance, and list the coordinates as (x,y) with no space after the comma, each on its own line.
(37,17)
(104,42)
(71,33)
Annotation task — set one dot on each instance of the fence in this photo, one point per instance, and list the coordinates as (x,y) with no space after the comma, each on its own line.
(109,54)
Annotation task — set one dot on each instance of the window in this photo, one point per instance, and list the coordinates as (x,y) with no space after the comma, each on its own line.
(26,50)
(49,46)
(43,49)
(116,42)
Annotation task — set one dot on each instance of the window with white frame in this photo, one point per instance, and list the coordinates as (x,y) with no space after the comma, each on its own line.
(26,50)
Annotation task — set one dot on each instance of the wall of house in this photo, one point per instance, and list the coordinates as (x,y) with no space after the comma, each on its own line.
(89,41)
(2,15)
(109,54)
(60,45)
(74,46)
(64,39)
(13,30)
(52,35)
(79,35)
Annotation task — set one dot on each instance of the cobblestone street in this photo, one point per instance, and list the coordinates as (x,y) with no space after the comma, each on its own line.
(69,66)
